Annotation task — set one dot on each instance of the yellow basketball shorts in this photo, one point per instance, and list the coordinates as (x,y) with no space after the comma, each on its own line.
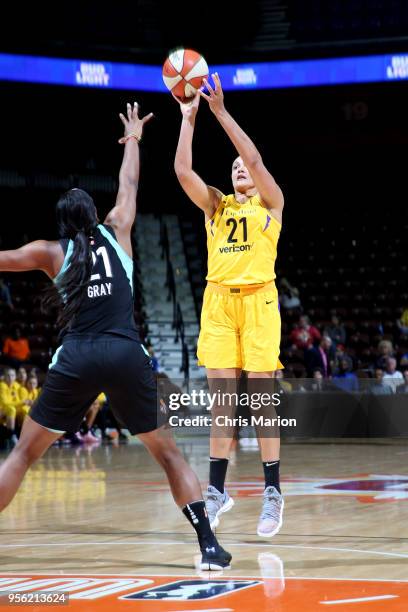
(240,328)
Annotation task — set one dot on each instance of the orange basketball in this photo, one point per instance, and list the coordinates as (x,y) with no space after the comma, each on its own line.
(183,72)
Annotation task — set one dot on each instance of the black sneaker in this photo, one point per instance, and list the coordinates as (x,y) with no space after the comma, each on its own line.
(215,558)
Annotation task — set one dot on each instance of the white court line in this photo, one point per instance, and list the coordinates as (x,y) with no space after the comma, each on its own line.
(374,598)
(230,544)
(141,573)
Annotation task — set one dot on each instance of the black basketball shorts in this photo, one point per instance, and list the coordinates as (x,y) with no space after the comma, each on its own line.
(85,366)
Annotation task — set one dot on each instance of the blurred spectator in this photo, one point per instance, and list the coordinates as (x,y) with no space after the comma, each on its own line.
(378,387)
(402,322)
(86,433)
(305,334)
(106,419)
(9,402)
(166,386)
(33,388)
(22,376)
(336,331)
(404,387)
(384,350)
(340,355)
(5,295)
(392,376)
(16,350)
(153,358)
(404,361)
(282,384)
(27,394)
(289,296)
(320,357)
(317,382)
(344,378)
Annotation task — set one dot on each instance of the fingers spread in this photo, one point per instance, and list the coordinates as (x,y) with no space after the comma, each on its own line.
(147,118)
(129,111)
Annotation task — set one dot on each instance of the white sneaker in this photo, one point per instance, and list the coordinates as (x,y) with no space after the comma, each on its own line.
(271,517)
(217,503)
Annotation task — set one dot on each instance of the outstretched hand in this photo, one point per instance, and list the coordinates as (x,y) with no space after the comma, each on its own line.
(188,107)
(133,124)
(215,96)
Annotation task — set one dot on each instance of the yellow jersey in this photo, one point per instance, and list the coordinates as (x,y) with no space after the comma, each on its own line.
(9,394)
(242,242)
(25,394)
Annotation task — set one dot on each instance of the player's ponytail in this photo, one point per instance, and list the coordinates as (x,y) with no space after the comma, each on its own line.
(77,220)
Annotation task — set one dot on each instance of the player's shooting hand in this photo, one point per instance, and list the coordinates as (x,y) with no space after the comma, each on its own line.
(215,96)
(188,107)
(133,124)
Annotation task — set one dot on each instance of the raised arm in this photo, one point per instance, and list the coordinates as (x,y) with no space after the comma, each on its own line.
(205,197)
(269,190)
(38,255)
(123,214)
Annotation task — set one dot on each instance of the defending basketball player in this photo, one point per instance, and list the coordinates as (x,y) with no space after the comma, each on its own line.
(92,268)
(240,320)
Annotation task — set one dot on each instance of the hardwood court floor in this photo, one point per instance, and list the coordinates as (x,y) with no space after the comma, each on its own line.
(100,523)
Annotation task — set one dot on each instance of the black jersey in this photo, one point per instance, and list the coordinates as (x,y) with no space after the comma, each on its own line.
(107,306)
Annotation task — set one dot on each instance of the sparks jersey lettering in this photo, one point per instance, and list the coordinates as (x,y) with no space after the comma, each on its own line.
(107,305)
(242,241)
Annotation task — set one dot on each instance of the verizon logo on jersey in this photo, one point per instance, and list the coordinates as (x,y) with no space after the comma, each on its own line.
(99,290)
(236,248)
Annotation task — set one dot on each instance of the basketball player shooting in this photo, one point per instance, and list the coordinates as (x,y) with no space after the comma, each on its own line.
(240,319)
(92,268)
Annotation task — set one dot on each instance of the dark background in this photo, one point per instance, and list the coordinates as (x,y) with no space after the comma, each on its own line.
(334,150)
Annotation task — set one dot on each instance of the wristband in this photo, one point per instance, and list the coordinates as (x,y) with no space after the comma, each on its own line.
(124,139)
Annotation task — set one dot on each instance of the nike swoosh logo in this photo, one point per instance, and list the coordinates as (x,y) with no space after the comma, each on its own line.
(273,463)
(269,302)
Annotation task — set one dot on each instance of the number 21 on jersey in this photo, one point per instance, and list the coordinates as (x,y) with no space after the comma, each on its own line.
(102,252)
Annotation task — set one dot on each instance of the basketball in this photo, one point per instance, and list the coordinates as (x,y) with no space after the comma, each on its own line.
(184,71)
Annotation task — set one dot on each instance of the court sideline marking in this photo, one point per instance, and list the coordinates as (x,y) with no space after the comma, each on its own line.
(230,544)
(359,599)
(233,576)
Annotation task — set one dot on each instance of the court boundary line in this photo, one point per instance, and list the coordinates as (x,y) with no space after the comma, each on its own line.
(91,574)
(235,544)
(176,533)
